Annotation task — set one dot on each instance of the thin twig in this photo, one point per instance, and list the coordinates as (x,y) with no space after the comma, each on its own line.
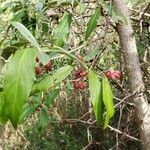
(142,16)
(119,122)
(125,98)
(22,135)
(120,132)
(90,123)
(85,114)
(87,146)
(144,13)
(62,55)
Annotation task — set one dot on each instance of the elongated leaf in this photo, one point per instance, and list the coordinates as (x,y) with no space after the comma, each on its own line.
(61,73)
(1,100)
(51,97)
(43,119)
(108,100)
(18,15)
(29,110)
(44,58)
(50,80)
(18,81)
(26,33)
(91,25)
(96,96)
(61,32)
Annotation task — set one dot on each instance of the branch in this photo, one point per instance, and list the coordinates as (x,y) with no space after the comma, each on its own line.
(127,135)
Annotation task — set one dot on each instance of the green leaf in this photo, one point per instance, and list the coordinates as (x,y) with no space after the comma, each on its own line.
(29,110)
(91,25)
(18,80)
(43,117)
(96,96)
(61,73)
(18,15)
(118,16)
(91,55)
(50,80)
(51,97)
(81,8)
(3,119)
(44,58)
(26,33)
(108,100)
(1,100)
(61,32)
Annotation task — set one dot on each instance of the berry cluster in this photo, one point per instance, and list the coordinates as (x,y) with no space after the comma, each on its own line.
(113,74)
(80,76)
(39,69)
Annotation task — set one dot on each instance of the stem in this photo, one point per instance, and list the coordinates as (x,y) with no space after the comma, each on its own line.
(63,51)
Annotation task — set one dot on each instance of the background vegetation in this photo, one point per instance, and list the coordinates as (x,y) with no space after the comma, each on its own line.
(61,116)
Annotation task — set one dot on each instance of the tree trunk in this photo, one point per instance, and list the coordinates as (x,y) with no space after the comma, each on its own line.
(129,49)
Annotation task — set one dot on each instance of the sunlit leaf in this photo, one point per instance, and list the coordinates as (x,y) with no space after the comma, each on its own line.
(26,33)
(61,32)
(91,25)
(50,80)
(18,15)
(96,96)
(18,80)
(108,100)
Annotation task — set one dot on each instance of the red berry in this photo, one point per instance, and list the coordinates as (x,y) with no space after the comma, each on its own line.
(80,57)
(113,74)
(77,73)
(48,66)
(117,74)
(75,85)
(84,73)
(80,73)
(82,85)
(38,70)
(79,85)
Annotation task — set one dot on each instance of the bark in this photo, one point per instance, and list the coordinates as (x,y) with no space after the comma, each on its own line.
(131,58)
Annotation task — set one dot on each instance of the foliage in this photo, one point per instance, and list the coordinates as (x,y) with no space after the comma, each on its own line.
(91,25)
(96,96)
(49,48)
(60,35)
(60,138)
(18,82)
